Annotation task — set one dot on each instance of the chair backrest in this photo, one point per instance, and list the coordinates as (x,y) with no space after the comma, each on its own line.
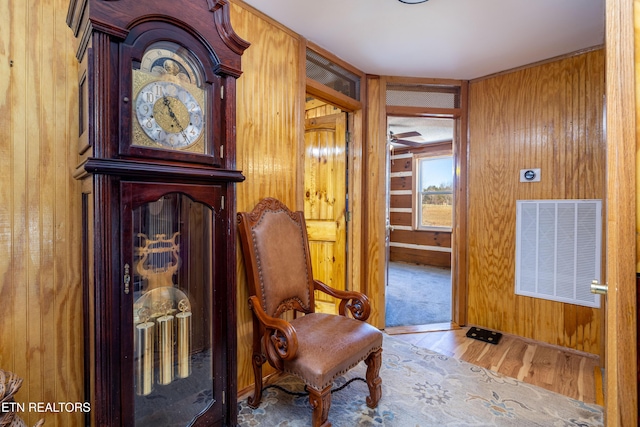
(276,251)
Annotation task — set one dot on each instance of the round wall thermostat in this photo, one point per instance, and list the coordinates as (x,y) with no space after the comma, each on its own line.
(530,175)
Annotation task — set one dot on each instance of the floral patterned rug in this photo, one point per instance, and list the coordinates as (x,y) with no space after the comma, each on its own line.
(423,388)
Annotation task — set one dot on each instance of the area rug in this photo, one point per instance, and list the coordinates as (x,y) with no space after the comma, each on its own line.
(424,388)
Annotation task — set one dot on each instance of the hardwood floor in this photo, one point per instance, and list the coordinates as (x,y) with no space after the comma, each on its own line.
(571,373)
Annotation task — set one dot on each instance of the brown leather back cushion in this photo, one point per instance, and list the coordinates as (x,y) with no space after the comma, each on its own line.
(283,280)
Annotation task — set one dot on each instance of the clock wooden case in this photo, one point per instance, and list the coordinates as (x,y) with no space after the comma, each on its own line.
(156,158)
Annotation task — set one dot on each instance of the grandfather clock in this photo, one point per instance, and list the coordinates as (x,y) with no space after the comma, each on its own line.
(156,157)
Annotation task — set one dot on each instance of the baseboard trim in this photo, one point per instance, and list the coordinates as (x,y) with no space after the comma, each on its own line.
(434,327)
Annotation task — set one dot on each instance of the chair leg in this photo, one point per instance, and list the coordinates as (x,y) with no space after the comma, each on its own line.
(373,362)
(258,361)
(320,402)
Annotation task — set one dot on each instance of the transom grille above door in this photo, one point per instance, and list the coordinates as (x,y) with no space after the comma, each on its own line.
(559,249)
(332,75)
(422,95)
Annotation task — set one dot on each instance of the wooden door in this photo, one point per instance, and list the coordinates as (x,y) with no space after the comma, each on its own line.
(621,400)
(325,204)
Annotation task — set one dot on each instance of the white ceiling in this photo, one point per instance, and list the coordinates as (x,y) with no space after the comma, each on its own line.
(455,39)
(430,129)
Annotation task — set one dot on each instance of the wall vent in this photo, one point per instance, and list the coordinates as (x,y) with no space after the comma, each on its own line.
(422,95)
(332,75)
(559,249)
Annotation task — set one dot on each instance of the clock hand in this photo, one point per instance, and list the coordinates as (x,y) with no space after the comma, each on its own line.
(167,104)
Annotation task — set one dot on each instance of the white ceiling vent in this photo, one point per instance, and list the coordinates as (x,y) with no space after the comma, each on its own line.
(559,249)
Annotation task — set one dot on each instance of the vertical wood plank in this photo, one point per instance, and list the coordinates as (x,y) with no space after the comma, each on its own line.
(21,227)
(9,13)
(46,166)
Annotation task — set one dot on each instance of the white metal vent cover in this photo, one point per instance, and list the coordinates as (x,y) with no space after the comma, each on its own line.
(559,249)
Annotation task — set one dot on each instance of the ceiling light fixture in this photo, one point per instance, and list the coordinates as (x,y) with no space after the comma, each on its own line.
(412,1)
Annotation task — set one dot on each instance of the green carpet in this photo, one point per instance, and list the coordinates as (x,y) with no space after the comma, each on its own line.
(423,388)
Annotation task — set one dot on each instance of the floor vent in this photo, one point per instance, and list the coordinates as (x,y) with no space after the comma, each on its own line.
(559,249)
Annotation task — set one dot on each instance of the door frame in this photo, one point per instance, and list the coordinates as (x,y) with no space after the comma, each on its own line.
(459,253)
(458,298)
(355,166)
(621,398)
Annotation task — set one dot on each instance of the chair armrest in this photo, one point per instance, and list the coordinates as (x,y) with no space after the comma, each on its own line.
(280,338)
(357,302)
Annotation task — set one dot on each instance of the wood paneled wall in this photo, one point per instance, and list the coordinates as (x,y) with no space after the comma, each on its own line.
(40,295)
(550,117)
(406,243)
(269,121)
(636,25)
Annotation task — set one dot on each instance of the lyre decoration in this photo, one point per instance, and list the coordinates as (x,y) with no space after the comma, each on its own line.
(159,259)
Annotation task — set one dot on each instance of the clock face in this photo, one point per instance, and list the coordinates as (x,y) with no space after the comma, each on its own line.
(169,114)
(170,108)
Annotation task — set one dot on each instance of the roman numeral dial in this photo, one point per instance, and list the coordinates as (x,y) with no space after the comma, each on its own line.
(169,114)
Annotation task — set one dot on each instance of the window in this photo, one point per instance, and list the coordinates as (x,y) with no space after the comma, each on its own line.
(434,192)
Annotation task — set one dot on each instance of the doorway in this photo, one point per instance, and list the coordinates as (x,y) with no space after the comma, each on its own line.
(420,190)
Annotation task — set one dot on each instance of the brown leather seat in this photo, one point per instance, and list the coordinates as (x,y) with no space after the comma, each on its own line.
(316,347)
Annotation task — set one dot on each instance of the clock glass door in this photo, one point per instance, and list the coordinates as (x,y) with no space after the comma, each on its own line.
(170,106)
(169,248)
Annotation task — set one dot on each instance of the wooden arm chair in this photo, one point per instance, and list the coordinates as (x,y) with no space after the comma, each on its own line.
(315,347)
